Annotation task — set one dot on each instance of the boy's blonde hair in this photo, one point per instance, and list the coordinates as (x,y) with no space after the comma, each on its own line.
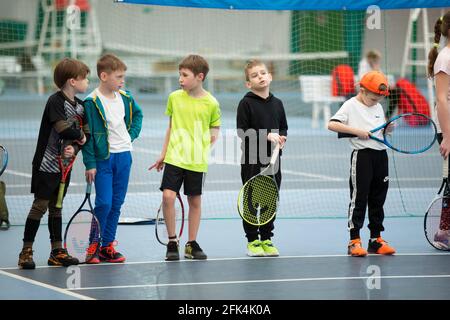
(69,68)
(250,64)
(373,55)
(197,64)
(109,63)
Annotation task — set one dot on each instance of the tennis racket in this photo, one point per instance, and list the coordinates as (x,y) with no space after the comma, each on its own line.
(3,159)
(259,196)
(412,133)
(66,164)
(83,234)
(437,218)
(160,229)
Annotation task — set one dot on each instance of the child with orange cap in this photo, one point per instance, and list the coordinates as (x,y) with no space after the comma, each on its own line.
(369,176)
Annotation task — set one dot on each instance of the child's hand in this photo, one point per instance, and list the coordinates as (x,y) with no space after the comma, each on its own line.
(283,141)
(90,175)
(69,152)
(389,128)
(444,147)
(159,164)
(274,137)
(363,135)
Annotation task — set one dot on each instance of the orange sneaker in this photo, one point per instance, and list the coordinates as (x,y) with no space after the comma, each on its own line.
(355,248)
(380,247)
(92,254)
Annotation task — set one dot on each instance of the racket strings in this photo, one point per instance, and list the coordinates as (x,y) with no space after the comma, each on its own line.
(259,200)
(82,232)
(438,222)
(411,133)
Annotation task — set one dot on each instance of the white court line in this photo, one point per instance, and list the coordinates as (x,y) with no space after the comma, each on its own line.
(18,173)
(311,175)
(234,181)
(259,281)
(237,258)
(46,286)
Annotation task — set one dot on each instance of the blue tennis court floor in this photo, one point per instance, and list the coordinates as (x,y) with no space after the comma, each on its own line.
(313,266)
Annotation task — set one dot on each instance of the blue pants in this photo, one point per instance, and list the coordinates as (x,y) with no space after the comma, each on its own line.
(111,184)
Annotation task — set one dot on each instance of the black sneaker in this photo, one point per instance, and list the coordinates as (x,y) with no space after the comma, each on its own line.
(60,257)
(193,251)
(26,259)
(172,251)
(109,254)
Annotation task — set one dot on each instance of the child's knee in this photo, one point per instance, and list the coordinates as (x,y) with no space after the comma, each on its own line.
(38,209)
(103,208)
(195,202)
(169,197)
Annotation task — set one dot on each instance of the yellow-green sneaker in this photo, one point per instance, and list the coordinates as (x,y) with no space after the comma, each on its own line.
(254,249)
(269,249)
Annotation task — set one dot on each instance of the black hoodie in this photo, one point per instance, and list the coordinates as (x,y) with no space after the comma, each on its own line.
(262,115)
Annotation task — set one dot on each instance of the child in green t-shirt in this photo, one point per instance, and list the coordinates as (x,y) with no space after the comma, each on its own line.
(193,126)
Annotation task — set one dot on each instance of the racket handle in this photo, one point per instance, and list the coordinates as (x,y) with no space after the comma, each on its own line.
(275,153)
(445,168)
(60,195)
(88,188)
(345,135)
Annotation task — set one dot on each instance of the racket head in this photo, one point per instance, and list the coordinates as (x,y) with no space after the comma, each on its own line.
(160,227)
(412,133)
(437,223)
(258,200)
(82,230)
(3,159)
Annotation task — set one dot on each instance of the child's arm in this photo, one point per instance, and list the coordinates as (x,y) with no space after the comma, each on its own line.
(159,163)
(442,84)
(214,124)
(283,127)
(136,123)
(88,148)
(338,126)
(214,133)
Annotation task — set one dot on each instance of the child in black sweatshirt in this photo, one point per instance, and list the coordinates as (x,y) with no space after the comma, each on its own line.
(261,124)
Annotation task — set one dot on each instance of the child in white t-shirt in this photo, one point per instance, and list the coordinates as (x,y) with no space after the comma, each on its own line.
(369,174)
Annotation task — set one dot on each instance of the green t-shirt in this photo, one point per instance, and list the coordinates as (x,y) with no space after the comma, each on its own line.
(190,137)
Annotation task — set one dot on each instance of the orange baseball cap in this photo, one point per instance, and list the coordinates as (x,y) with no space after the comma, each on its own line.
(376,82)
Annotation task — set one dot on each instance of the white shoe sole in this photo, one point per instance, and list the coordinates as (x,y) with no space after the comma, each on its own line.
(251,254)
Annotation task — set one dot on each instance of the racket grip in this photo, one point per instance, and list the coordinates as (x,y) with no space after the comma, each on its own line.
(60,195)
(88,188)
(275,153)
(345,135)
(445,168)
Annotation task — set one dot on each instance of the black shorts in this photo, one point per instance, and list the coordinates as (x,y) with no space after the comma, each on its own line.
(174,177)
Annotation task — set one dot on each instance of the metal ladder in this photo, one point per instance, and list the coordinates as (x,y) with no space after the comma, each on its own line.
(425,45)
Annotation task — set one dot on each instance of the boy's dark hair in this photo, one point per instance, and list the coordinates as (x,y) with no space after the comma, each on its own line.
(109,63)
(197,64)
(250,64)
(441,27)
(69,68)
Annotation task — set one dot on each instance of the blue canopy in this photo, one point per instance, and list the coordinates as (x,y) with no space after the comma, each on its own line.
(296,4)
